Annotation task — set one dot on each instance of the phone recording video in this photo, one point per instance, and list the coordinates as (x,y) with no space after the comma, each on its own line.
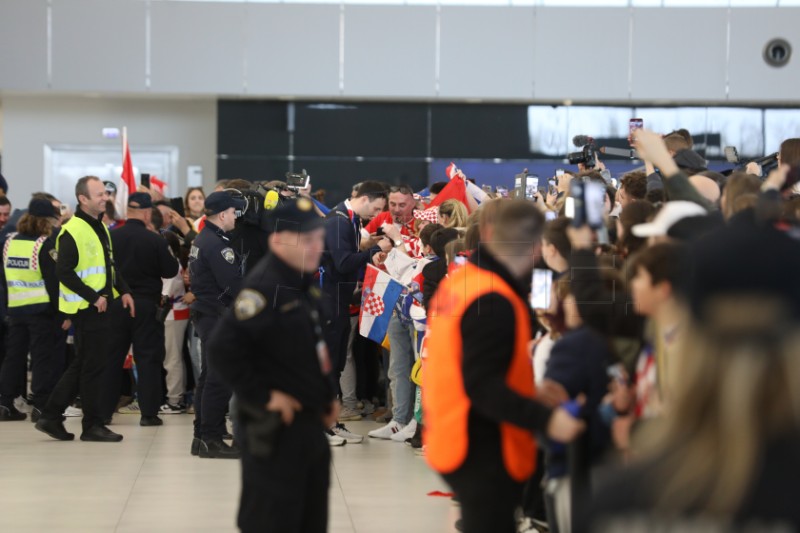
(177,205)
(585,204)
(635,124)
(145,180)
(531,186)
(541,285)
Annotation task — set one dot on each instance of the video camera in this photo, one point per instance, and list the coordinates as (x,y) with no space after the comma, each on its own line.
(588,154)
(768,163)
(295,182)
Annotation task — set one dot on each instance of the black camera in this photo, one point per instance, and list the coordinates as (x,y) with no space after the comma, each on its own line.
(588,154)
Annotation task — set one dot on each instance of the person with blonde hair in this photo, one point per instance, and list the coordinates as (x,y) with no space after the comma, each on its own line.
(453,214)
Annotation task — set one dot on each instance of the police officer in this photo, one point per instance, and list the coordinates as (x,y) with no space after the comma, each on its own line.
(29,270)
(216,272)
(143,258)
(96,297)
(270,348)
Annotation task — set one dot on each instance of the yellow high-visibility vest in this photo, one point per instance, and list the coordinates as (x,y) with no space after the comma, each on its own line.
(24,279)
(91,266)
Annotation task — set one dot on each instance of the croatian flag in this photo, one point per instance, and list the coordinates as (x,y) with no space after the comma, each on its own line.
(473,190)
(378,297)
(127,181)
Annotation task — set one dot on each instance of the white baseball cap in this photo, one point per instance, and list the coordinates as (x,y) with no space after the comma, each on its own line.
(671,213)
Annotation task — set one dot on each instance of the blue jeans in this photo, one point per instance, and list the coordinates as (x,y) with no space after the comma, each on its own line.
(401,360)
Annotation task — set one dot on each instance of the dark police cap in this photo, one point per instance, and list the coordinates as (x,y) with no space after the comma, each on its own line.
(140,200)
(298,216)
(219,201)
(39,207)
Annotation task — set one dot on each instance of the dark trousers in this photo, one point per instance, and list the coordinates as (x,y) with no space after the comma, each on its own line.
(212,395)
(93,348)
(288,492)
(41,334)
(336,333)
(533,503)
(488,495)
(146,333)
(366,354)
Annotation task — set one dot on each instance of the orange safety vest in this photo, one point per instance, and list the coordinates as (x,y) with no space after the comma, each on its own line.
(445,402)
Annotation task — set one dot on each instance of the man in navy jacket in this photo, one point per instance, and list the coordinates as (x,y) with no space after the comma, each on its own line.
(343,263)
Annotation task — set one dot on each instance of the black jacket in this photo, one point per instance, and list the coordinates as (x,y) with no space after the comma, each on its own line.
(143,258)
(215,270)
(268,340)
(342,262)
(68,260)
(432,274)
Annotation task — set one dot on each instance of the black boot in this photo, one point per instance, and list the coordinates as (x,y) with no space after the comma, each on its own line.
(151,421)
(11,414)
(54,428)
(217,449)
(100,434)
(195,446)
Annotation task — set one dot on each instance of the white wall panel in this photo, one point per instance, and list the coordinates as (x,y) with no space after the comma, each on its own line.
(197,47)
(486,51)
(750,76)
(99,45)
(389,51)
(292,49)
(679,54)
(582,54)
(23,45)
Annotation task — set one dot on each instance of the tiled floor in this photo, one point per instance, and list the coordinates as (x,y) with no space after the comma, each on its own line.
(150,483)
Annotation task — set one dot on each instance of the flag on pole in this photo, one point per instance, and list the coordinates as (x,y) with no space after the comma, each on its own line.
(378,297)
(127,181)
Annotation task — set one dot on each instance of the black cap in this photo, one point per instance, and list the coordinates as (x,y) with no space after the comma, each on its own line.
(297,216)
(39,207)
(217,202)
(744,259)
(111,188)
(690,229)
(140,200)
(691,160)
(3,184)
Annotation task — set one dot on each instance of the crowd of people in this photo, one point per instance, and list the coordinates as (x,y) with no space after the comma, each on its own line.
(652,388)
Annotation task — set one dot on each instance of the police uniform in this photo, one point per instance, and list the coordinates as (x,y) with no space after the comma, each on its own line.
(272,339)
(29,271)
(143,258)
(216,272)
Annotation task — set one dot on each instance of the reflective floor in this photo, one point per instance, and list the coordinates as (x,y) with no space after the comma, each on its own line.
(150,483)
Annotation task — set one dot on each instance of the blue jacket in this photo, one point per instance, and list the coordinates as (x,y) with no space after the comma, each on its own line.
(579,361)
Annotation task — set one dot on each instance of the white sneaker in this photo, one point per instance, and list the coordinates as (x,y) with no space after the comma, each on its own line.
(386,431)
(350,437)
(405,433)
(73,412)
(335,440)
(130,409)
